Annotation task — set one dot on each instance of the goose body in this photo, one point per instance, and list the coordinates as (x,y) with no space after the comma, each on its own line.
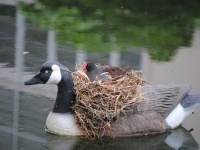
(162,108)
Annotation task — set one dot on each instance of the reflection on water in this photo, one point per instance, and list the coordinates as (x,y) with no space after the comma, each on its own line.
(26,131)
(178,139)
(106,26)
(181,139)
(24,47)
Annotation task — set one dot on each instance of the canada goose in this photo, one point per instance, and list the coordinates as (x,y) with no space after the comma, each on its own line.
(163,108)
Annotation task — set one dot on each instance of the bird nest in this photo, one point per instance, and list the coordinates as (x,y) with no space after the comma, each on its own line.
(98,104)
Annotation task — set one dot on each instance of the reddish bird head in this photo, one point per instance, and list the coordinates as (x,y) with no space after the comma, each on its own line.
(91,70)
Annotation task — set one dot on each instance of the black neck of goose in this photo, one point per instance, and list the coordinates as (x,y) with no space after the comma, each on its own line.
(65,95)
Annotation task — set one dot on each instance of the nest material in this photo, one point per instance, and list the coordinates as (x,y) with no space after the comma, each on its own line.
(98,105)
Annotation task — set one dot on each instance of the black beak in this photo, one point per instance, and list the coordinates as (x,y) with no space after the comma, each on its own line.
(33,80)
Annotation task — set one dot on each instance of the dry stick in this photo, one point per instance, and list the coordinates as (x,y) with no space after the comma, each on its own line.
(99,104)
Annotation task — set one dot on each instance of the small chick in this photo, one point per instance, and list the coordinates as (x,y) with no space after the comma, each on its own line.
(93,71)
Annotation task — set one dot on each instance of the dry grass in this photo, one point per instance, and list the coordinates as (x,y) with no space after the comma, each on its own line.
(100,104)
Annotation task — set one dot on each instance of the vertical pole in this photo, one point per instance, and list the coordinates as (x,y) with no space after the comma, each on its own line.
(114,58)
(19,61)
(51,46)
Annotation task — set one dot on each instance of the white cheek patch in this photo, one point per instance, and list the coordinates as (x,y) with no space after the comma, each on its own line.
(55,77)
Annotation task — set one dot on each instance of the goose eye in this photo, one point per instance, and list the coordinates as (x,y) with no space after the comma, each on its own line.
(46,71)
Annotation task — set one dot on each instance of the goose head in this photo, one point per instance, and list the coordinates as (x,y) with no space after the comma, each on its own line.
(51,72)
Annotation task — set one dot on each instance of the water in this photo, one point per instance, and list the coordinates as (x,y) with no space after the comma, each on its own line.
(26,44)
